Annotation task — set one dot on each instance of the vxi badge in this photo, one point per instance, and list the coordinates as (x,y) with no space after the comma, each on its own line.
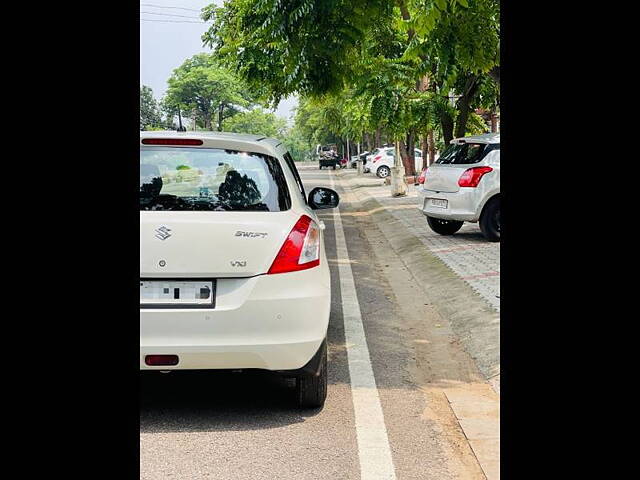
(163,233)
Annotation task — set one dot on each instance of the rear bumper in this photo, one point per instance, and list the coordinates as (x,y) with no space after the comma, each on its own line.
(272,322)
(461,205)
(329,163)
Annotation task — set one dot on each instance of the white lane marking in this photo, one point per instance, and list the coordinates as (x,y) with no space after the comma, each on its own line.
(373,445)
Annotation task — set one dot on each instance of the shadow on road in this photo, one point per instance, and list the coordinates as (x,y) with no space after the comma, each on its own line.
(217,401)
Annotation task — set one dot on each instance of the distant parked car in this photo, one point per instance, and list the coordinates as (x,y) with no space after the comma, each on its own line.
(463,185)
(354,159)
(383,160)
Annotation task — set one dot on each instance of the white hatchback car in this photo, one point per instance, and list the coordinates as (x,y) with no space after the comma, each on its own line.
(463,185)
(233,269)
(382,161)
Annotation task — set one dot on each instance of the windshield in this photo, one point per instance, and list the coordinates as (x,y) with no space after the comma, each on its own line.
(210,179)
(465,153)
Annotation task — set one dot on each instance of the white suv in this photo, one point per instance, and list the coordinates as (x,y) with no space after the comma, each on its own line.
(233,270)
(382,161)
(463,185)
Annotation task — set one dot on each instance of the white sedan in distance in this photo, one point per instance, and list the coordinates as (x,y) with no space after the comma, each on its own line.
(382,161)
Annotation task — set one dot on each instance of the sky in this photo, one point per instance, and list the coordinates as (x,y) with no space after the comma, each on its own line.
(165,44)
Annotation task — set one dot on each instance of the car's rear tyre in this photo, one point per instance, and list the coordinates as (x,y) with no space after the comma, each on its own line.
(490,220)
(444,227)
(383,171)
(311,390)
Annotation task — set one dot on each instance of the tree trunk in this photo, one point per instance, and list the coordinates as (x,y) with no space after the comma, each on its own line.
(431,147)
(377,142)
(464,105)
(424,146)
(446,120)
(411,152)
(220,113)
(495,74)
(398,182)
(494,123)
(407,162)
(207,122)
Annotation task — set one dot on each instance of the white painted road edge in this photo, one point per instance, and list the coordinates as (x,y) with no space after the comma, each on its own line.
(374,452)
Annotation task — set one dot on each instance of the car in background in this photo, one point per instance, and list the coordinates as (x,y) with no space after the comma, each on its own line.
(463,185)
(354,159)
(233,269)
(382,161)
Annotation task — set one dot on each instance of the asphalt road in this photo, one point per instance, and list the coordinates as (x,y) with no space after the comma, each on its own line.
(246,425)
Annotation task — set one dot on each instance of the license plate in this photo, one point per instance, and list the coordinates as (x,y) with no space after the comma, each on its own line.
(438,202)
(177,293)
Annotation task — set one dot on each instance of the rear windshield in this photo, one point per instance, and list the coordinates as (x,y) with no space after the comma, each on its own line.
(181,178)
(466,153)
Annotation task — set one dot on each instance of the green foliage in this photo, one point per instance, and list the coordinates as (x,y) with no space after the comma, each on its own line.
(297,46)
(183,167)
(257,122)
(300,149)
(203,86)
(362,65)
(454,40)
(150,117)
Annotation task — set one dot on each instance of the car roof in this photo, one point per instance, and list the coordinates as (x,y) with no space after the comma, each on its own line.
(233,141)
(484,138)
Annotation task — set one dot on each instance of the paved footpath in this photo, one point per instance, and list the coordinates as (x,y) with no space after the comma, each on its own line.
(467,253)
(461,275)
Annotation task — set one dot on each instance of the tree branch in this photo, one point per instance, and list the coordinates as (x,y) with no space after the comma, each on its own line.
(406,16)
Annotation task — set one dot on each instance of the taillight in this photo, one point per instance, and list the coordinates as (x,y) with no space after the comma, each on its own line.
(471,176)
(376,158)
(301,249)
(422,176)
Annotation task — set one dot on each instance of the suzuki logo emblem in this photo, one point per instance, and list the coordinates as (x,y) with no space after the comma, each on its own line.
(163,233)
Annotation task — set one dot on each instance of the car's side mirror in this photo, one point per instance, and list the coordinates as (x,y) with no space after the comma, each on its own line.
(321,198)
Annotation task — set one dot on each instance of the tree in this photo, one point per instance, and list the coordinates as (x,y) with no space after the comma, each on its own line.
(204,87)
(456,46)
(149,110)
(169,112)
(413,68)
(257,122)
(299,148)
